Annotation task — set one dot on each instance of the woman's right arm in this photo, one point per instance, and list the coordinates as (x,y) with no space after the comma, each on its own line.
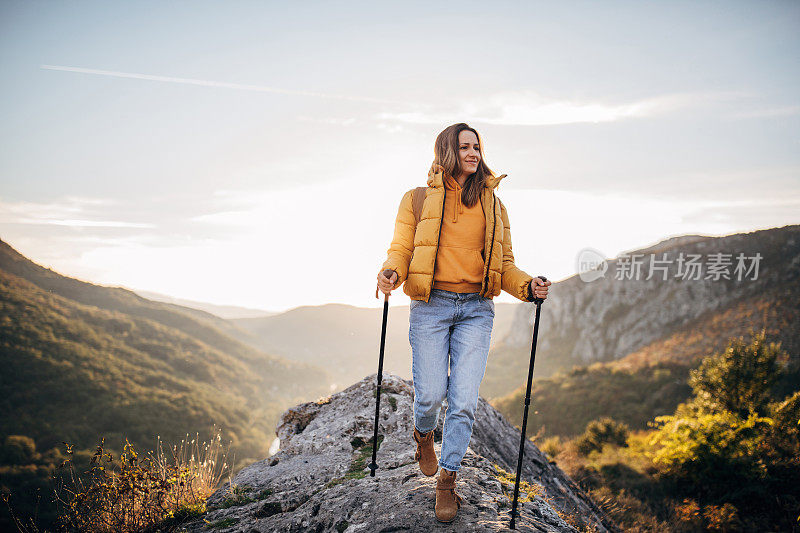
(399,252)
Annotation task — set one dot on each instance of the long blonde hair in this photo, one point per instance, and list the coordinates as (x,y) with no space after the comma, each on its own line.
(445,153)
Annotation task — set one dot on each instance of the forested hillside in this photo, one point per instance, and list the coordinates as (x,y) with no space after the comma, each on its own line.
(81,362)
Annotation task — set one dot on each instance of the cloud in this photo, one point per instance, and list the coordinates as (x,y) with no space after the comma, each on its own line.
(529,108)
(87,223)
(784,111)
(512,108)
(243,218)
(211,83)
(330,120)
(70,211)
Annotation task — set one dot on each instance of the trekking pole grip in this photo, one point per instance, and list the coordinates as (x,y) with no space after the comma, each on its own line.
(539,300)
(388,274)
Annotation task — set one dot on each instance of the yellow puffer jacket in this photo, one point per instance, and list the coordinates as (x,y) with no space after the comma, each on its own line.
(413,251)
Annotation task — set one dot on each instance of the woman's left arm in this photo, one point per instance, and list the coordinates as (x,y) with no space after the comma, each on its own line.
(514,280)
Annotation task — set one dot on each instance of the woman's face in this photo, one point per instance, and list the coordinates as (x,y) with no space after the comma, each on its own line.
(468,152)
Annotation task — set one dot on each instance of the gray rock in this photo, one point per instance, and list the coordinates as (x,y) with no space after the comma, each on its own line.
(608,318)
(319,480)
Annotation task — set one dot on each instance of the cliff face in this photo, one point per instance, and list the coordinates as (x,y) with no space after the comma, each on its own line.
(608,318)
(319,480)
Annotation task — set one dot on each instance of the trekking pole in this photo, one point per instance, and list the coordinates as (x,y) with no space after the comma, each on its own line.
(373,465)
(538,302)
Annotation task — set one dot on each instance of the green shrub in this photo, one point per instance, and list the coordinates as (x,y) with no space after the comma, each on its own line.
(601,431)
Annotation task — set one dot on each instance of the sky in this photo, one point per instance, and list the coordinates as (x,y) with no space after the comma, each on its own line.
(255,153)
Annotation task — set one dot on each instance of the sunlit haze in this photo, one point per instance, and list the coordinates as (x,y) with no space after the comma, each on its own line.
(255,154)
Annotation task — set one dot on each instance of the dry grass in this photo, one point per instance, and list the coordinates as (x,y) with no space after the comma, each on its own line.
(133,494)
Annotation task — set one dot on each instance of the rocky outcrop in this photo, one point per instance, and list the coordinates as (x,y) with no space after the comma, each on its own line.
(610,317)
(319,480)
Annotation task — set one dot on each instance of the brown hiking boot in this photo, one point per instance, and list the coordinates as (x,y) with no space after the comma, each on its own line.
(448,502)
(425,453)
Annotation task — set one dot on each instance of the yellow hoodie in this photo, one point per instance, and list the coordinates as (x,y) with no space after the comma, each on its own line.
(460,259)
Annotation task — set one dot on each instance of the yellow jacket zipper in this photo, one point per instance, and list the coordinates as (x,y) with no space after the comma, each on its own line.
(441,220)
(491,247)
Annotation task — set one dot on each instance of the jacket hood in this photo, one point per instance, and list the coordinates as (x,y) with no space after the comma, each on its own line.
(437,172)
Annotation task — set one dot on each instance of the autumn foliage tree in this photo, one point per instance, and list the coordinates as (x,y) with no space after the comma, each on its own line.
(739,379)
(732,443)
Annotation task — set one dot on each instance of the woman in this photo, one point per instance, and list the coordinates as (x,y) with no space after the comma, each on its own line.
(453,262)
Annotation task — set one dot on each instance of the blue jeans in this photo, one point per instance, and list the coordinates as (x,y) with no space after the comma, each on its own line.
(453,329)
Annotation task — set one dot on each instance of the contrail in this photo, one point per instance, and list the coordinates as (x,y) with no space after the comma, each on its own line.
(210,83)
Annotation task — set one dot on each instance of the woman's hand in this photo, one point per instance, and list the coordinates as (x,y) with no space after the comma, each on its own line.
(385,284)
(539,288)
